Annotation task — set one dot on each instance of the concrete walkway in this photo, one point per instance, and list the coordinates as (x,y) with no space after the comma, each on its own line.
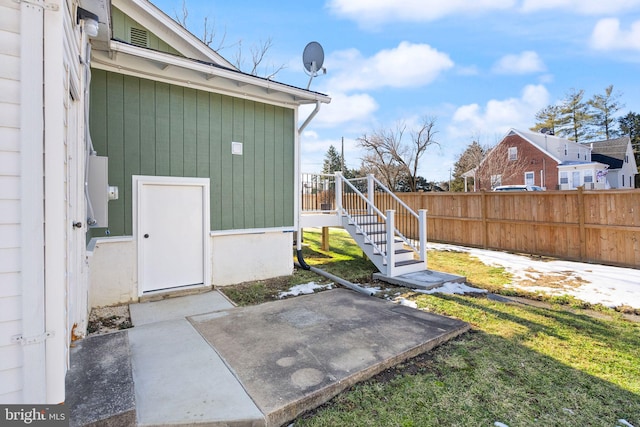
(197,360)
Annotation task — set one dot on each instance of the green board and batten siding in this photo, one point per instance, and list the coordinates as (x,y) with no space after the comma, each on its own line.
(152,128)
(122,25)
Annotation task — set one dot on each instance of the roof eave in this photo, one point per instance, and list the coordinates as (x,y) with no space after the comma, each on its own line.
(209,71)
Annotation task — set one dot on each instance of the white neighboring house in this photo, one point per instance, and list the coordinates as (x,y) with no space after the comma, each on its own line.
(618,154)
(43,286)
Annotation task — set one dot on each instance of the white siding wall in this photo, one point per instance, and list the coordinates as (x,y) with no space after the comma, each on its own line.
(10,233)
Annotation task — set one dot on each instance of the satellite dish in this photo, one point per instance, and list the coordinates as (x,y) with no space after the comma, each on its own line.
(544,130)
(313,59)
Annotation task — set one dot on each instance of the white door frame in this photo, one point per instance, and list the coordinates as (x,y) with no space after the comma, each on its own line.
(138,181)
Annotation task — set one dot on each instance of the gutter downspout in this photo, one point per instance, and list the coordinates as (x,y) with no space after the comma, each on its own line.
(337,279)
(303,264)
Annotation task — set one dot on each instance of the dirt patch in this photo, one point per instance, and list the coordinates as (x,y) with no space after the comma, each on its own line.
(103,320)
(559,280)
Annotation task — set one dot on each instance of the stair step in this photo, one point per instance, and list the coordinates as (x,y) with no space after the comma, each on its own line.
(402,251)
(384,242)
(371,233)
(367,224)
(409,262)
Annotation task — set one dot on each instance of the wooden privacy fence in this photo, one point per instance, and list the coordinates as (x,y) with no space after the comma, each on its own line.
(590,226)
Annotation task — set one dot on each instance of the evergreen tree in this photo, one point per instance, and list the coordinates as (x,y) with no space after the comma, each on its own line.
(575,116)
(547,118)
(469,159)
(332,161)
(604,108)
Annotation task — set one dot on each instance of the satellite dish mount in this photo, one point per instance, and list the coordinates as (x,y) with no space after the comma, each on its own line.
(313,59)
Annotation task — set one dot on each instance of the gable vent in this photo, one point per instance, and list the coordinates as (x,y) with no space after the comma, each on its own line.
(139,37)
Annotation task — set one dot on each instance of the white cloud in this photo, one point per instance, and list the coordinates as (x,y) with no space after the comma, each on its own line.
(588,7)
(498,116)
(523,63)
(607,35)
(370,12)
(407,65)
(342,109)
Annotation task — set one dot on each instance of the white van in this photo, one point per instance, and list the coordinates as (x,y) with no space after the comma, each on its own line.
(518,188)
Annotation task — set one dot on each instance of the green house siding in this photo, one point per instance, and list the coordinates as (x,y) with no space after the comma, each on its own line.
(151,128)
(122,25)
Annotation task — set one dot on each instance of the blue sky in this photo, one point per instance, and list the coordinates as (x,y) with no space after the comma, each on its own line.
(480,67)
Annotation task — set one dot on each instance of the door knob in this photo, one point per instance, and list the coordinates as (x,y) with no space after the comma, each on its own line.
(146,236)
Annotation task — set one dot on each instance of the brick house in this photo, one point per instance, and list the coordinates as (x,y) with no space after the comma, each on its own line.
(548,161)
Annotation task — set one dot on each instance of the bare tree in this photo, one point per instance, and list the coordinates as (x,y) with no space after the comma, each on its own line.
(393,156)
(258,52)
(258,55)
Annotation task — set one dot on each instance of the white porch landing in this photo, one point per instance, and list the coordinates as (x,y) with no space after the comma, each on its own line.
(426,279)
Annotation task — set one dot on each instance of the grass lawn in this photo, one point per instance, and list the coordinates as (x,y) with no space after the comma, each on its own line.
(520,364)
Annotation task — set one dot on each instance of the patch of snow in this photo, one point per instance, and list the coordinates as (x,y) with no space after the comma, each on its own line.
(451,288)
(372,289)
(499,424)
(625,423)
(598,284)
(407,303)
(304,289)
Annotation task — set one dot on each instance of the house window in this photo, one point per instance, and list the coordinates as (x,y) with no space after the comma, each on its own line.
(495,181)
(588,177)
(564,177)
(626,158)
(513,153)
(566,149)
(529,178)
(623,180)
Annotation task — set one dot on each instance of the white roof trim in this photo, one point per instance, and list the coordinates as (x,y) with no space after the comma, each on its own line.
(169,31)
(209,73)
(583,165)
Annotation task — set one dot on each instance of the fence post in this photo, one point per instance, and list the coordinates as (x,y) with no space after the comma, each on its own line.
(582,231)
(483,208)
(391,253)
(422,231)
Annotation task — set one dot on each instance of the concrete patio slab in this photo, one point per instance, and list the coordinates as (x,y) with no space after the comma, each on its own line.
(180,380)
(296,354)
(177,308)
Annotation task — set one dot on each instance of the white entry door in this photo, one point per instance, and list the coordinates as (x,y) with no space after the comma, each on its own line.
(172,230)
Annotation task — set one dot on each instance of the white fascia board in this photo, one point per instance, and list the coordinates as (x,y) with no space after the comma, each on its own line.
(581,166)
(207,77)
(168,30)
